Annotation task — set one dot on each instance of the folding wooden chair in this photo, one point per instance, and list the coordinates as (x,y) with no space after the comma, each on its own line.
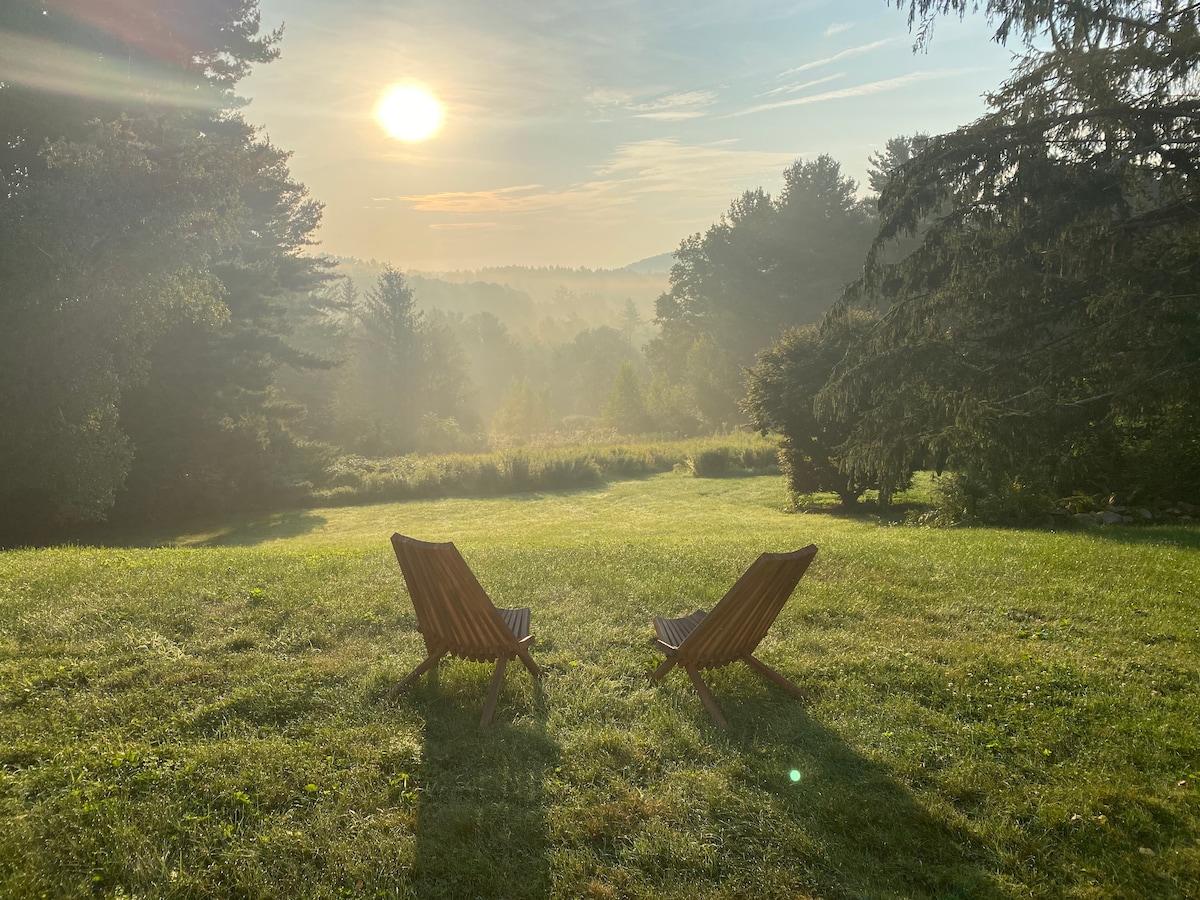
(456,617)
(736,625)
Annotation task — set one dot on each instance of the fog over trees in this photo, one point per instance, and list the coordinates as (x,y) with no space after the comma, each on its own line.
(1013,302)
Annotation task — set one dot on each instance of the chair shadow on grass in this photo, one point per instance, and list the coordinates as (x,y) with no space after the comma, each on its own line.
(481,814)
(871,836)
(270,527)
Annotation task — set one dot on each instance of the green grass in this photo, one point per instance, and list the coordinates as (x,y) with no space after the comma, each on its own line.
(996,713)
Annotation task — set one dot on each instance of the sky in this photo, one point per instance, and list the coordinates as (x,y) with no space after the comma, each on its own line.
(591,134)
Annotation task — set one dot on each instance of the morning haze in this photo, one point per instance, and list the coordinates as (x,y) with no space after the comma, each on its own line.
(344,364)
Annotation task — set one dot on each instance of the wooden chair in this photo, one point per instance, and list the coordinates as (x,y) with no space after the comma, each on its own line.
(456,617)
(735,626)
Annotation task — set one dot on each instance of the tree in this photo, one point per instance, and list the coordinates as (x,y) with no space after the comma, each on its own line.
(494,358)
(583,370)
(767,265)
(446,386)
(780,393)
(631,321)
(321,322)
(389,356)
(125,219)
(1046,332)
(525,412)
(408,375)
(212,428)
(897,152)
(625,408)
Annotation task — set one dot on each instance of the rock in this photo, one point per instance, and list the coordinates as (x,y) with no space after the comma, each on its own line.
(1108,517)
(1144,514)
(1186,509)
(1085,520)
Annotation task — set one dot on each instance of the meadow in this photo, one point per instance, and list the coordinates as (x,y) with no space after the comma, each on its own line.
(994,713)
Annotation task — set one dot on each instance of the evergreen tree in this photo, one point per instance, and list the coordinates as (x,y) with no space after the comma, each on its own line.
(130,218)
(407,375)
(1046,332)
(625,408)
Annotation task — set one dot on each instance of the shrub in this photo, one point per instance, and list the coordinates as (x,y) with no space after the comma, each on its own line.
(711,462)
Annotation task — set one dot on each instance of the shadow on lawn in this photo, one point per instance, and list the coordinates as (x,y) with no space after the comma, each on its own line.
(264,528)
(481,819)
(874,838)
(1186,537)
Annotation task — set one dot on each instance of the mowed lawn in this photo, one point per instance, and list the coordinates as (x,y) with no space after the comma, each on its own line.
(995,713)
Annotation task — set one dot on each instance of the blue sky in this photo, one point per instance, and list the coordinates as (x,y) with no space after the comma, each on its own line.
(591,134)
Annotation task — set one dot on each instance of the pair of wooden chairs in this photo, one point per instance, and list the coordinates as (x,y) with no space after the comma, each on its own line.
(456,617)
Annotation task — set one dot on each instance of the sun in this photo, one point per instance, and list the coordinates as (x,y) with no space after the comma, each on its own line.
(409,113)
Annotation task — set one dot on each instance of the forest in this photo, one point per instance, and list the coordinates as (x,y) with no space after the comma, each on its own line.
(1012,304)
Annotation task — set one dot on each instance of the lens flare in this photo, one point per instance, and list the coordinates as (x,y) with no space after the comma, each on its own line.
(794,775)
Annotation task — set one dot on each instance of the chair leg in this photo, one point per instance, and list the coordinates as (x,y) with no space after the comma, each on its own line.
(428,663)
(657,675)
(706,696)
(494,691)
(533,667)
(760,666)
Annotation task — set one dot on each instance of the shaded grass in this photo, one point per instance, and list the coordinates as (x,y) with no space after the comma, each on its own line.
(995,713)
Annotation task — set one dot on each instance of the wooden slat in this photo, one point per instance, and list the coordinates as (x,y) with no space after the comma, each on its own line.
(673,632)
(517,621)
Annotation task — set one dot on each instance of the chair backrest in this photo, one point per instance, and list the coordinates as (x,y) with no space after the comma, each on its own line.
(454,613)
(737,624)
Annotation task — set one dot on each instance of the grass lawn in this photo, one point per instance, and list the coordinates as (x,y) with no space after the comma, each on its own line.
(995,713)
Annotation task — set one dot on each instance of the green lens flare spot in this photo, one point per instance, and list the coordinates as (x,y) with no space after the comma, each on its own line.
(794,775)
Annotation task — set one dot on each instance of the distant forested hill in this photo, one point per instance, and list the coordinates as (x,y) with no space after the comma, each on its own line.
(527,299)
(661,263)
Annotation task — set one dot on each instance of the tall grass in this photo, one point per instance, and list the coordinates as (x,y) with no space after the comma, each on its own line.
(360,480)
(995,713)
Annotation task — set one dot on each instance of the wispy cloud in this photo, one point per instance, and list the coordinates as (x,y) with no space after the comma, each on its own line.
(704,175)
(518,198)
(664,164)
(463,226)
(861,90)
(845,54)
(607,97)
(837,28)
(668,107)
(681,105)
(804,85)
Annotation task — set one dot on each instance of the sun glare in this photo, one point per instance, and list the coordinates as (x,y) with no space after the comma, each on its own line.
(409,113)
